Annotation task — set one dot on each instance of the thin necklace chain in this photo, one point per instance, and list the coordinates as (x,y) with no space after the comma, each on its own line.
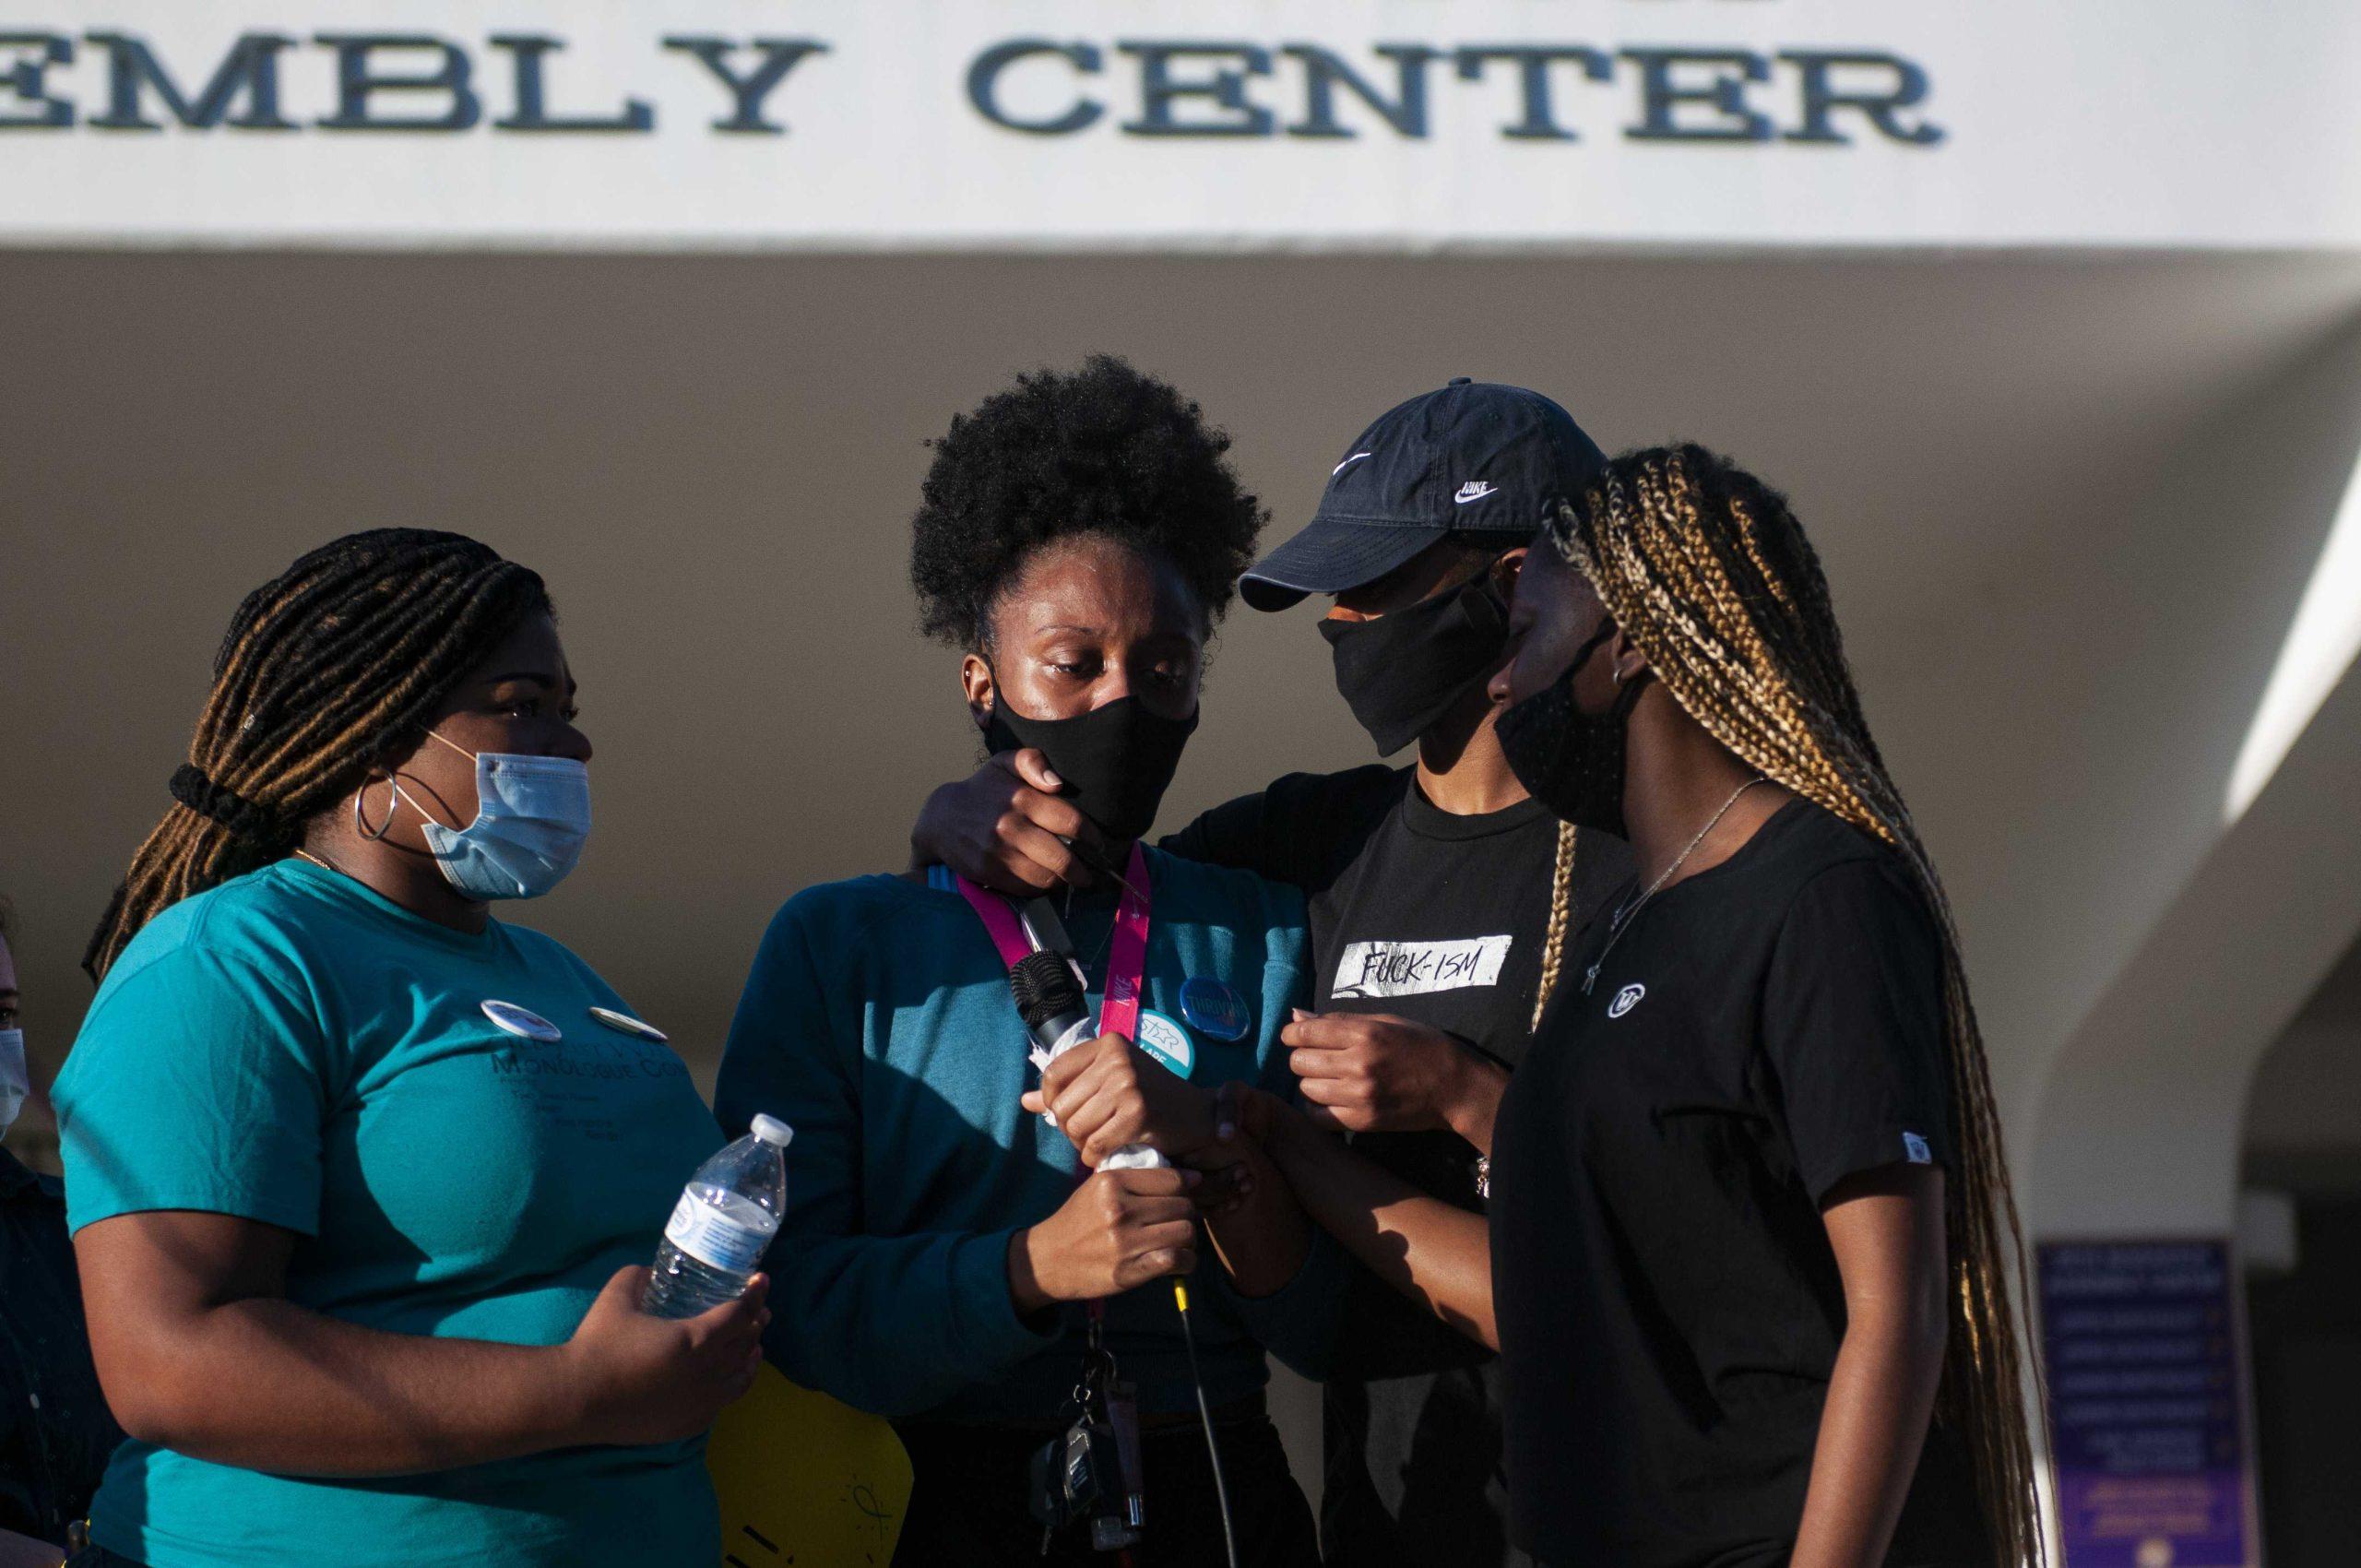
(1621,921)
(1104,943)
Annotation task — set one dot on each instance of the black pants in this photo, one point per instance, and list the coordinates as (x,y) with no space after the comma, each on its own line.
(100,1557)
(968,1495)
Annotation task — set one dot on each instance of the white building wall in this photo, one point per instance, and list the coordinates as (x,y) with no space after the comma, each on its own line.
(2214,124)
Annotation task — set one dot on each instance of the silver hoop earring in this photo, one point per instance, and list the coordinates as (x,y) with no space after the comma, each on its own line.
(361,825)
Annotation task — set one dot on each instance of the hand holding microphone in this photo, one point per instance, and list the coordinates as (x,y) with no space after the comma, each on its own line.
(1119,1230)
(1133,1221)
(1121,1108)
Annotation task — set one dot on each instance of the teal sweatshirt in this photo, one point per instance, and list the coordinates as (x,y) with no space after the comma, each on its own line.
(878,1023)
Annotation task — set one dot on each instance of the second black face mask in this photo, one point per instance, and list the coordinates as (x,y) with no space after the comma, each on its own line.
(1402,671)
(1117,760)
(1571,761)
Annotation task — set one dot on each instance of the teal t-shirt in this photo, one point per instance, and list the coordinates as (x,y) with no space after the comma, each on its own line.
(293,1049)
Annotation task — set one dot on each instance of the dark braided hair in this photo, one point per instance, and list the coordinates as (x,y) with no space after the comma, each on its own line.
(1105,450)
(332,669)
(1705,568)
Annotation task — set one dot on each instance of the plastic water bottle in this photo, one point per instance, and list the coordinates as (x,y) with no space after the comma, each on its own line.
(726,1215)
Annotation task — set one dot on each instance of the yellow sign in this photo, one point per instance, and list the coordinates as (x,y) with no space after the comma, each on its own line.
(805,1479)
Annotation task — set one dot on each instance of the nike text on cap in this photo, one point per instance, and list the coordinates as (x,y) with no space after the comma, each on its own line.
(1474,459)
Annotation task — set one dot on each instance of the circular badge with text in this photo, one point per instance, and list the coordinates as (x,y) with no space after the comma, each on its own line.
(1216,1007)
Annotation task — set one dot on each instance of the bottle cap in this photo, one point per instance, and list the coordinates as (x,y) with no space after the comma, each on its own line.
(773,1131)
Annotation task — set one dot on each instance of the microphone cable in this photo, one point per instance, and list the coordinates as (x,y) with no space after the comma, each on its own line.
(1206,1412)
(1047,986)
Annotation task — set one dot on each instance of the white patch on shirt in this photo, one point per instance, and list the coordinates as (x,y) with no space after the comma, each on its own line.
(1626,999)
(1167,1042)
(1416,969)
(1915,1149)
(522,1022)
(624,1024)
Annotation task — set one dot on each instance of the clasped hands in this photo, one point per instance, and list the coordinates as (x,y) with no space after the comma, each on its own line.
(1358,1073)
(1123,1229)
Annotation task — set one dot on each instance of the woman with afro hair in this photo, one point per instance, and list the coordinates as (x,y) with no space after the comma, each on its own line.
(964,1238)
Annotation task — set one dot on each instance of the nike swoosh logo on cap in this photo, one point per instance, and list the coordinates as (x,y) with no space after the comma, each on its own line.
(1474,490)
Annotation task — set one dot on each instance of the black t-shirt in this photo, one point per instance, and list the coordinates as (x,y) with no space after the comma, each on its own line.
(1669,1307)
(1439,919)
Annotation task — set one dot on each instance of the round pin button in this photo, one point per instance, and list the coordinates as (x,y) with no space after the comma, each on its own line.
(623,1023)
(523,1022)
(1214,1007)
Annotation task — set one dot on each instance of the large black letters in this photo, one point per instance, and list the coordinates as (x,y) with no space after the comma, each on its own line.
(252,67)
(1822,98)
(531,112)
(1725,89)
(1533,63)
(983,85)
(1324,71)
(27,80)
(750,92)
(1227,88)
(358,82)
(1030,85)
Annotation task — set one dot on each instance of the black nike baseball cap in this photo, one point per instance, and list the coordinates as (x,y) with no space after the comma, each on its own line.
(1475,458)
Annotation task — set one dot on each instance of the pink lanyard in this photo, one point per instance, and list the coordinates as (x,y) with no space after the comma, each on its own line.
(1126,964)
(1126,949)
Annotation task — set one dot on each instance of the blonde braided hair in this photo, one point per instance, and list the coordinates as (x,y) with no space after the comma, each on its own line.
(1708,573)
(1562,914)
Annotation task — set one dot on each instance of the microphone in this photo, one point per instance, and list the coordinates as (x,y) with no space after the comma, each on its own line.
(1050,999)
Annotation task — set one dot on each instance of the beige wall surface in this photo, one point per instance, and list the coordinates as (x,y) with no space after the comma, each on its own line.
(2067,505)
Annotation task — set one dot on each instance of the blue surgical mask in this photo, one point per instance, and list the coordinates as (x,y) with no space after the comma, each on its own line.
(15,1084)
(532,818)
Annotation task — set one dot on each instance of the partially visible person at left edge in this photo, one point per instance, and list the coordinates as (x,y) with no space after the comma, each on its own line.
(55,1434)
(357,1233)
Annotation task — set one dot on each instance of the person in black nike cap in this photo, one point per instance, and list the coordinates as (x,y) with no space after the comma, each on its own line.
(1434,889)
(1474,461)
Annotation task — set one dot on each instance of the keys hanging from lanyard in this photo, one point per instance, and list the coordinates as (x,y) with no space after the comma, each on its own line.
(1093,1470)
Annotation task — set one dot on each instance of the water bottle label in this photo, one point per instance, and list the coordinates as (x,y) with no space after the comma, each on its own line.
(711,1237)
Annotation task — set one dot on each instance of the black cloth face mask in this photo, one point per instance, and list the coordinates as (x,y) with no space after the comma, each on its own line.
(1117,760)
(1402,671)
(1571,761)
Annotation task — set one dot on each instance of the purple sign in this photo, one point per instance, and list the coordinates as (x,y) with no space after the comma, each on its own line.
(2146,1403)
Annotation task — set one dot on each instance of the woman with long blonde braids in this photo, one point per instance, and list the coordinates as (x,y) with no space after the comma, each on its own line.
(1752,1241)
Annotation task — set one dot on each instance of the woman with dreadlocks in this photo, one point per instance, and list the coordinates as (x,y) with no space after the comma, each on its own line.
(356,1172)
(1751,1242)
